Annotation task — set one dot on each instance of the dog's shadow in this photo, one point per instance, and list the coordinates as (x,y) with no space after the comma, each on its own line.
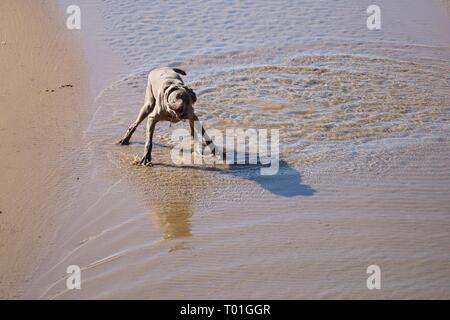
(287,182)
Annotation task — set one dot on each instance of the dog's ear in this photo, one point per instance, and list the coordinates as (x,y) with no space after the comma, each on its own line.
(192,94)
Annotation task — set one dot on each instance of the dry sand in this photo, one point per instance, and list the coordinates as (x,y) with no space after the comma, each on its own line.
(40,125)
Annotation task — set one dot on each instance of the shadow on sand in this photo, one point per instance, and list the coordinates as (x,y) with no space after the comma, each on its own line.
(287,182)
(172,192)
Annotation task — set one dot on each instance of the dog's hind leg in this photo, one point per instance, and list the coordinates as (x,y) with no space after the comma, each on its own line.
(145,111)
(208,140)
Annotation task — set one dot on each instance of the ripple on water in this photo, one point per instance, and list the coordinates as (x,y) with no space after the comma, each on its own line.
(323,104)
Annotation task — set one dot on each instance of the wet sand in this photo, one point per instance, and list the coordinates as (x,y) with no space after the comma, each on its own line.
(364,147)
(40,124)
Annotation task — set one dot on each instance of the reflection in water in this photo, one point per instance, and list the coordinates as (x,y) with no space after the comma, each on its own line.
(172,194)
(174,219)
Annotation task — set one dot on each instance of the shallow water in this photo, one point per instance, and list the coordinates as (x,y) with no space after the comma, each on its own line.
(364,122)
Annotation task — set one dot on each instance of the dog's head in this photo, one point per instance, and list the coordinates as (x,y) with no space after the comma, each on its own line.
(180,100)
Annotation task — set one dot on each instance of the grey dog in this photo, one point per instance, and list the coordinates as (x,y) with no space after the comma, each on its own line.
(167,98)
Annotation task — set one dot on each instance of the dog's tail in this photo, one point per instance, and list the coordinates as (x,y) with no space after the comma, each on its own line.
(179,71)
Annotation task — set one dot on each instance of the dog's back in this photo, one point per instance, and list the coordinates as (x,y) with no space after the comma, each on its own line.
(157,77)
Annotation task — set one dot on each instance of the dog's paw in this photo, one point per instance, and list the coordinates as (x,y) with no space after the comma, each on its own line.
(123,142)
(146,162)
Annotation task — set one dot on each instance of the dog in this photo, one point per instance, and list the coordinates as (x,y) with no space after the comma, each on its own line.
(167,98)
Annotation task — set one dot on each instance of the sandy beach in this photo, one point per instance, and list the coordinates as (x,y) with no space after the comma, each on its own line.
(43,112)
(363,119)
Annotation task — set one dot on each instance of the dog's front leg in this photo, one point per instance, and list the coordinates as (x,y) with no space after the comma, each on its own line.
(147,157)
(208,140)
(143,113)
